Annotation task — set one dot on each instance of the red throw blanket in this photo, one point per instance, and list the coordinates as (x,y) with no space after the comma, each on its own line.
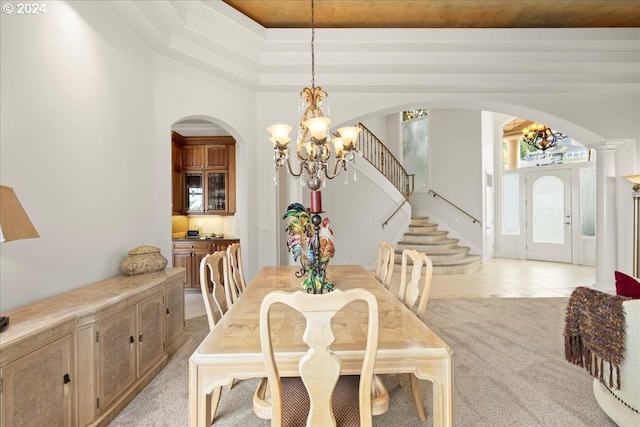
(595,332)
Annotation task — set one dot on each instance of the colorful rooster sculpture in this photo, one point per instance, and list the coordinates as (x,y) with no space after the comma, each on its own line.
(300,244)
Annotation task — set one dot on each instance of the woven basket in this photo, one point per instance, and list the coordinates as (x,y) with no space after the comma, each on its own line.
(143,259)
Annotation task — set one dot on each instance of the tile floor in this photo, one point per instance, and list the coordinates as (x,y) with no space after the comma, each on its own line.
(498,278)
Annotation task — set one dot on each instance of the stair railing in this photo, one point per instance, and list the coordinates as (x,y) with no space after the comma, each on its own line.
(458,208)
(386,221)
(382,159)
(376,153)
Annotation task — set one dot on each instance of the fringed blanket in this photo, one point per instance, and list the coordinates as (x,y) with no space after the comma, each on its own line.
(594,332)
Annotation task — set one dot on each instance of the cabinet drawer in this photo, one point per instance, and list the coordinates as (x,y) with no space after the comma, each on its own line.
(190,246)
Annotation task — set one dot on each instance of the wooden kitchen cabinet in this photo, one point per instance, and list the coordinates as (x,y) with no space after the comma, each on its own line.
(37,389)
(217,156)
(208,180)
(79,358)
(193,157)
(189,255)
(176,176)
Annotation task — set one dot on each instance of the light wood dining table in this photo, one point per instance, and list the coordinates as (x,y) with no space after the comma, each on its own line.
(232,349)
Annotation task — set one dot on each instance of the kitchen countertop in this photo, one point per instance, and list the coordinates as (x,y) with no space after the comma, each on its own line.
(207,239)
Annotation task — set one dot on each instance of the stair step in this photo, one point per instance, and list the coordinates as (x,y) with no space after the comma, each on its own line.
(463,265)
(428,246)
(419,220)
(422,228)
(428,235)
(440,255)
(452,266)
(445,253)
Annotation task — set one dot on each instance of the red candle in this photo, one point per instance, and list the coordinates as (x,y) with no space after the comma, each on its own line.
(316,201)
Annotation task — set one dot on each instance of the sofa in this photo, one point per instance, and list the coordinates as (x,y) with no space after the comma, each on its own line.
(623,405)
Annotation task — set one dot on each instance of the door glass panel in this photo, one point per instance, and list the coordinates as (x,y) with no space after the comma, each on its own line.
(216,191)
(195,191)
(511,204)
(588,201)
(548,210)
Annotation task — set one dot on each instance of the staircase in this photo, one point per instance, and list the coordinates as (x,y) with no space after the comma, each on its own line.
(445,253)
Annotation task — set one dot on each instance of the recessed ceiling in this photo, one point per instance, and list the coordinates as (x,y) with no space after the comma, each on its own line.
(441,13)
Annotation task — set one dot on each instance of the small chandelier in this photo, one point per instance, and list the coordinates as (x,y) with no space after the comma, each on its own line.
(541,136)
(314,140)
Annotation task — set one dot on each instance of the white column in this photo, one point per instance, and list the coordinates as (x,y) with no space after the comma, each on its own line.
(606,223)
(513,151)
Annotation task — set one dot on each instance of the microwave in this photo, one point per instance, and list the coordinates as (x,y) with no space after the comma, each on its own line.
(193,234)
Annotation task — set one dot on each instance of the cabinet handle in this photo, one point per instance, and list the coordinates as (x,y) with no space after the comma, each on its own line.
(168,311)
(131,339)
(140,338)
(66,380)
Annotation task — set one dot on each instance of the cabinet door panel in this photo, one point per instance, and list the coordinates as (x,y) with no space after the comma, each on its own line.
(34,392)
(217,156)
(193,157)
(174,301)
(194,191)
(197,258)
(217,191)
(150,332)
(116,355)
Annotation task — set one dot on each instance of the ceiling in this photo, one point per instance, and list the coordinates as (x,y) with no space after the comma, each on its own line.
(441,13)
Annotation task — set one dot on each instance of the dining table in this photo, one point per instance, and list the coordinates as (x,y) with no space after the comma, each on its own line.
(232,349)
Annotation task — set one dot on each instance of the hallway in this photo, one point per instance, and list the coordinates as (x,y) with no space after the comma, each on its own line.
(509,278)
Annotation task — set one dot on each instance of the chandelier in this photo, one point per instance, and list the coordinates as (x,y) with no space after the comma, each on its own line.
(314,141)
(541,136)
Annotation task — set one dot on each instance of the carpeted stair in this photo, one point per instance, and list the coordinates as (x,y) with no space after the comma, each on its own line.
(447,256)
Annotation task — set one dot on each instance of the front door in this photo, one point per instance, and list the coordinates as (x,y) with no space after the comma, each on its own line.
(549,215)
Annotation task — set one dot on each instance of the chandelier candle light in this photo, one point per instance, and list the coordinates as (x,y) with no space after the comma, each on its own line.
(541,136)
(314,144)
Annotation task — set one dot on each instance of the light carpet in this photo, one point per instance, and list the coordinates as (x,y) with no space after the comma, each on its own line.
(509,370)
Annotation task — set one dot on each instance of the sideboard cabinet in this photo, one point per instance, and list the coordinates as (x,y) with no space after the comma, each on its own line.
(79,358)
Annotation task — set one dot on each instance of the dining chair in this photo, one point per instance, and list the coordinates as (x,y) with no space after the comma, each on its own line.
(320,396)
(385,263)
(408,293)
(235,269)
(213,269)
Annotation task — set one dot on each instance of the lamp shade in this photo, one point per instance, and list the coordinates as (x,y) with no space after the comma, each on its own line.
(318,127)
(349,136)
(338,144)
(633,178)
(14,222)
(279,133)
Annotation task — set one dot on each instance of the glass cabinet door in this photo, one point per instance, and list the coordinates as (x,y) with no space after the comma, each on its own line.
(194,186)
(216,191)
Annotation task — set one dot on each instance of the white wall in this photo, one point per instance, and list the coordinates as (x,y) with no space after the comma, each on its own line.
(77,146)
(456,174)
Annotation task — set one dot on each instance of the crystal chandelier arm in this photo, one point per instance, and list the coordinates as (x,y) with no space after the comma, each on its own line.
(291,172)
(339,166)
